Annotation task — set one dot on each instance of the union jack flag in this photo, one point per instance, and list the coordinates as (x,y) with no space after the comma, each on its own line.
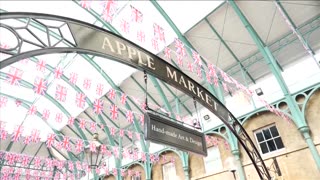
(180,47)
(10,158)
(66,143)
(25,161)
(37,162)
(225,76)
(112,94)
(123,98)
(18,102)
(85,4)
(125,26)
(136,15)
(87,84)
(73,78)
(79,145)
(80,100)
(17,133)
(196,58)
(114,112)
(103,149)
(40,86)
(45,114)
(121,132)
(50,140)
(158,32)
(35,135)
(3,101)
(225,87)
(98,106)
(99,89)
(93,127)
(107,16)
(27,140)
(70,121)
(79,165)
(190,66)
(32,110)
(49,163)
(155,44)
(41,65)
(199,72)
(130,116)
(3,134)
(93,147)
(61,93)
(98,170)
(110,6)
(14,76)
(209,78)
(212,70)
(215,81)
(58,117)
(180,62)
(114,171)
(143,156)
(167,53)
(141,119)
(116,152)
(70,165)
(123,172)
(141,36)
(82,124)
(58,72)
(112,131)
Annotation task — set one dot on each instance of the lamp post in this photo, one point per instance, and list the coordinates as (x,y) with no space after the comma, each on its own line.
(94,157)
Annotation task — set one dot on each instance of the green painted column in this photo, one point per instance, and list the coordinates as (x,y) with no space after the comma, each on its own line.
(298,117)
(241,172)
(305,131)
(147,164)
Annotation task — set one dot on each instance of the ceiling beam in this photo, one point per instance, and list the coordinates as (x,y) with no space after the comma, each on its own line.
(286,38)
(186,42)
(296,31)
(229,49)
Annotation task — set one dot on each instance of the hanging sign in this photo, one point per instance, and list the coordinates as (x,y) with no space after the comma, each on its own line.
(161,130)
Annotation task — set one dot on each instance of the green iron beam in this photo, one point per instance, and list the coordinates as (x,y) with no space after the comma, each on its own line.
(184,40)
(298,118)
(144,90)
(26,104)
(163,96)
(296,31)
(270,46)
(229,50)
(176,97)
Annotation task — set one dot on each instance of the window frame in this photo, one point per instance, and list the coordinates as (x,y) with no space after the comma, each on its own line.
(165,164)
(255,132)
(214,171)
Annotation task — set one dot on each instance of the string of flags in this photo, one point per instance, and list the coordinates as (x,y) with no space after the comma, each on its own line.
(77,145)
(68,169)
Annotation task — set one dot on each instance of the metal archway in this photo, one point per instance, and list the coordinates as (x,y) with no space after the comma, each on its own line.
(90,39)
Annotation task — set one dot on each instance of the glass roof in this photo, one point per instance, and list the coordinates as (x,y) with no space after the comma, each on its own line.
(85,73)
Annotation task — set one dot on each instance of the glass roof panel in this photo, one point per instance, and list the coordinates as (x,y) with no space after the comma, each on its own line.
(185,14)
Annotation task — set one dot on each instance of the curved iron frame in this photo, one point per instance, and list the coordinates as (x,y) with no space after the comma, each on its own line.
(233,124)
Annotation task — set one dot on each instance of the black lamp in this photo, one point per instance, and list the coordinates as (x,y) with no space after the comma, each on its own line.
(94,158)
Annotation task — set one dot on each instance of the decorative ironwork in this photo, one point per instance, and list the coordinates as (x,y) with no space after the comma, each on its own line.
(58,28)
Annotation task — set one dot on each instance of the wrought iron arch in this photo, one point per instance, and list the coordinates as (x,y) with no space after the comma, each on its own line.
(87,39)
